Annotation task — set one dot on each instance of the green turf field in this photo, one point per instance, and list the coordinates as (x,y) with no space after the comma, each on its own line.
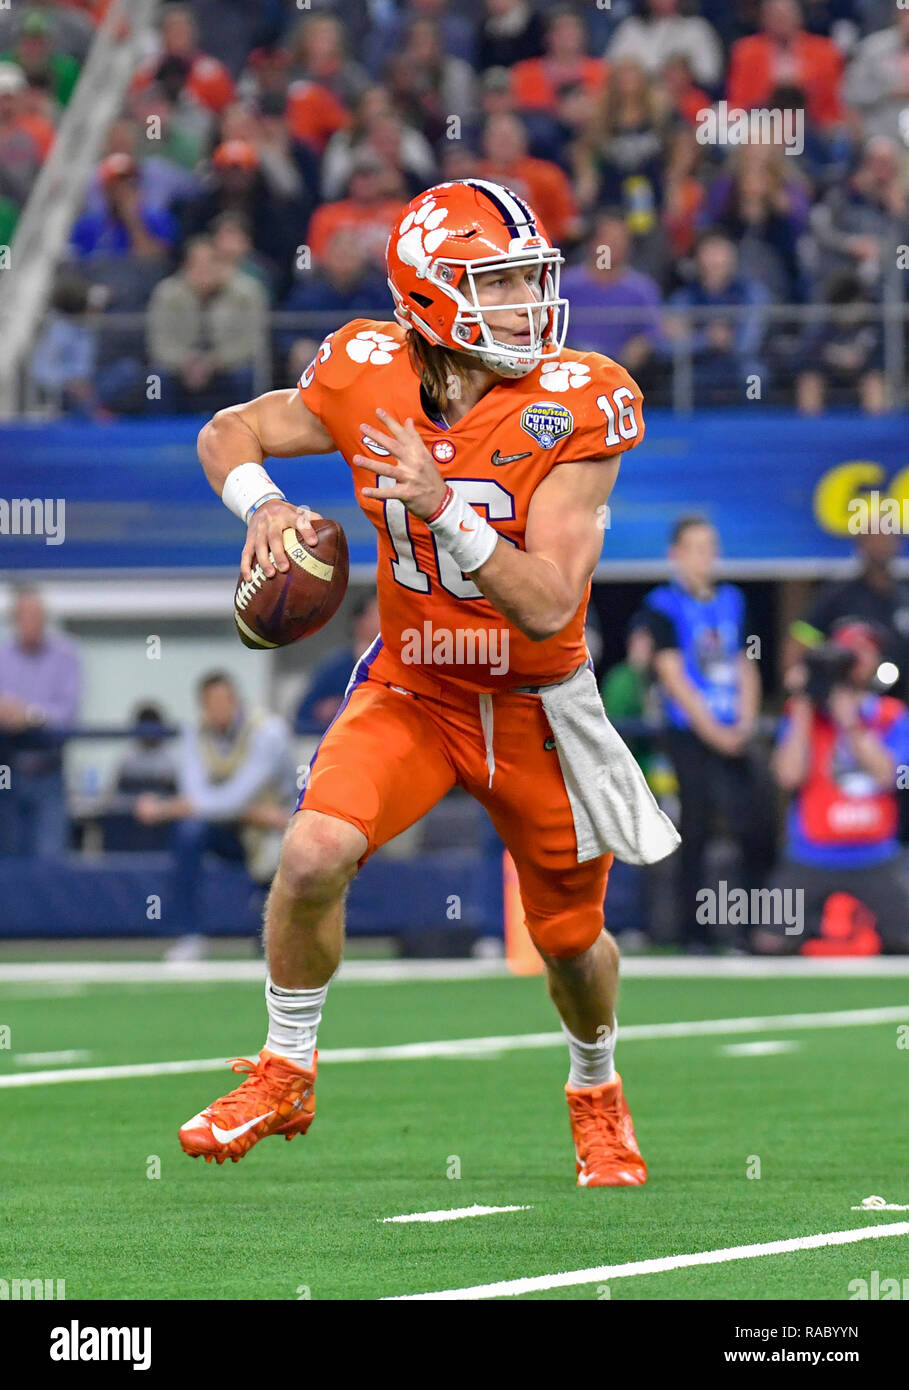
(826,1120)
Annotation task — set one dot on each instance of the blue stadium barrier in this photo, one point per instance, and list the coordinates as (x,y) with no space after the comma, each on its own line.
(136,498)
(109,896)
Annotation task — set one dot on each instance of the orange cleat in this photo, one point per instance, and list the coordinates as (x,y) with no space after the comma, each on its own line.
(277,1097)
(606,1151)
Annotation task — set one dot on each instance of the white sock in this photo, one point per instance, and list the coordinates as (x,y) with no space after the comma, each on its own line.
(592,1064)
(293,1021)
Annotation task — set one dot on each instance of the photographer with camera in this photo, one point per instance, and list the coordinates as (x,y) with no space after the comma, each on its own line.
(842,750)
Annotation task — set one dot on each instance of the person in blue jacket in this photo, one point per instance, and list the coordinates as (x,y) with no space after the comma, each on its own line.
(711,697)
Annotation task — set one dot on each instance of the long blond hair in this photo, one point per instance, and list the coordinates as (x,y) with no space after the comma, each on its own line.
(442,370)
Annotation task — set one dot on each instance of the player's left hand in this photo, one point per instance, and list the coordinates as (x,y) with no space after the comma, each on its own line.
(417,481)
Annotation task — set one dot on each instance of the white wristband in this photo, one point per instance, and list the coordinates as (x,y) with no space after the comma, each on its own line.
(246,485)
(467,536)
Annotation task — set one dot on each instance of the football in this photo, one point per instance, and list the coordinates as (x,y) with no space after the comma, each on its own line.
(275,612)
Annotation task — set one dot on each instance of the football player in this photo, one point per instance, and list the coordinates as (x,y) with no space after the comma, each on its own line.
(484,453)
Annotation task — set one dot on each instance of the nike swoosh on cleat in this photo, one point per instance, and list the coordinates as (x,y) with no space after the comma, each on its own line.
(226,1136)
(498,459)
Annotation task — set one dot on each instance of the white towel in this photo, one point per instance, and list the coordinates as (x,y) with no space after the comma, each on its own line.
(612,805)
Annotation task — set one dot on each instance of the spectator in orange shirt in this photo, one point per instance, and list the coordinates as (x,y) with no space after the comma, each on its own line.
(544,185)
(367,209)
(314,113)
(566,62)
(24,139)
(39,114)
(209,80)
(784,54)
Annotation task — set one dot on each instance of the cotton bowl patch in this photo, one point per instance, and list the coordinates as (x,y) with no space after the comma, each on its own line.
(547,422)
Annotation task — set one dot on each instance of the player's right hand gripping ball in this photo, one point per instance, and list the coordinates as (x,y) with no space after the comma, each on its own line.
(275,612)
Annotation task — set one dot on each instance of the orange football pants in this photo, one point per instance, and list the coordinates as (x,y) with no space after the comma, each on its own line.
(391,754)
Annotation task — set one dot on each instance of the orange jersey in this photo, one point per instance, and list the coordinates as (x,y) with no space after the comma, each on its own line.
(536,82)
(209,80)
(314,114)
(371,221)
(580,407)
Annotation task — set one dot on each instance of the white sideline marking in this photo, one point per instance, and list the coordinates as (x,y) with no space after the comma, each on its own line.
(367,972)
(80,973)
(507,1288)
(453,1214)
(757,1049)
(486,1047)
(41,1059)
(27,990)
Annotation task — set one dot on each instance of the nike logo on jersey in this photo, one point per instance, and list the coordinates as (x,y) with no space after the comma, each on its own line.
(549,744)
(498,459)
(226,1136)
(467,528)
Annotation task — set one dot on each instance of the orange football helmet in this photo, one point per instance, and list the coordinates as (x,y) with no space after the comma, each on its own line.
(446,237)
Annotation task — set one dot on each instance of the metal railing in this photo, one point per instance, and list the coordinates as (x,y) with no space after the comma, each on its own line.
(780,332)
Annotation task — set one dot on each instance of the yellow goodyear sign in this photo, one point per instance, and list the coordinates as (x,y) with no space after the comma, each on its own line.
(854,498)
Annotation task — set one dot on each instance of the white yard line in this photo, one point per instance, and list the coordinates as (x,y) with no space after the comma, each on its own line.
(376,972)
(237,971)
(43,1059)
(765,1048)
(453,1214)
(484,1047)
(508,1288)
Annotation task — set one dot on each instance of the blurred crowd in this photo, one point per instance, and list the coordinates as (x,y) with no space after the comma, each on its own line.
(246,192)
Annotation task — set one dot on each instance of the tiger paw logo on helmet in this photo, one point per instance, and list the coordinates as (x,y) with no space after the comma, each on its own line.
(370,346)
(421,232)
(562,376)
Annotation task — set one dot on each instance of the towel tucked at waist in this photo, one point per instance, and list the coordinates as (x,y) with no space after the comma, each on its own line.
(612,805)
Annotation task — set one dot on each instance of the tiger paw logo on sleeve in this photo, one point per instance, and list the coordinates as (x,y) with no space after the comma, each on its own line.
(370,346)
(562,376)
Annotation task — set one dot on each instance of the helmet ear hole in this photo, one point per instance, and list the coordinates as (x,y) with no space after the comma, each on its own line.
(423,300)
